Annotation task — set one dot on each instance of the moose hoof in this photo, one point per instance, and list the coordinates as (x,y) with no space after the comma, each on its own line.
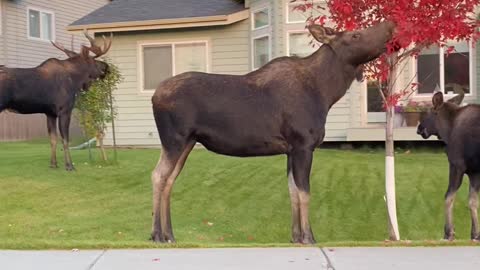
(450,237)
(155,237)
(70,168)
(54,166)
(308,240)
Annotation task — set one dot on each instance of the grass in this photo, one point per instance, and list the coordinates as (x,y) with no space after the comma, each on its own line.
(218,201)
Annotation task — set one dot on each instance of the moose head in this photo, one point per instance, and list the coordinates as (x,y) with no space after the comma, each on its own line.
(439,119)
(86,65)
(356,47)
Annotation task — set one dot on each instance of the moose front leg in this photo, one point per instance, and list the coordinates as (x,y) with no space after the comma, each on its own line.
(455,181)
(301,166)
(473,204)
(64,125)
(52,132)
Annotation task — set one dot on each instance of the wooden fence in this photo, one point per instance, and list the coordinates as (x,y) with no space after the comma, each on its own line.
(22,127)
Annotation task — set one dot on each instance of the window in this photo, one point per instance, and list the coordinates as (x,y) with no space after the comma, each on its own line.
(40,24)
(261,51)
(260,19)
(297,16)
(439,72)
(300,44)
(261,32)
(162,61)
(375,109)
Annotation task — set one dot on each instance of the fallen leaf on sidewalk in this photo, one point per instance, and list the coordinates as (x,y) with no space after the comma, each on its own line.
(156,260)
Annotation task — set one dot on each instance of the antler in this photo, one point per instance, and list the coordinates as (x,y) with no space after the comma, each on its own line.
(94,48)
(69,53)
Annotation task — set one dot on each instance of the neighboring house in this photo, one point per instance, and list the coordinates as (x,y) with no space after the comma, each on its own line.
(154,40)
(26,28)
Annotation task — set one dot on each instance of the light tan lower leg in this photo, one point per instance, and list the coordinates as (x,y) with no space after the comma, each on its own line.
(295,204)
(304,198)
(473,204)
(162,171)
(449,228)
(165,217)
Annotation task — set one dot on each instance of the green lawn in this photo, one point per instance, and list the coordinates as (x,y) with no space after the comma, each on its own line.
(217,200)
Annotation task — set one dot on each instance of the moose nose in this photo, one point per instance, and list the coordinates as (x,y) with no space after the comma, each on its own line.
(420,130)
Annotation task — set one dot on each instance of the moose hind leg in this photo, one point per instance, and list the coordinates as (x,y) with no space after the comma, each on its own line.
(295,204)
(301,165)
(163,177)
(473,204)
(64,125)
(455,181)
(52,132)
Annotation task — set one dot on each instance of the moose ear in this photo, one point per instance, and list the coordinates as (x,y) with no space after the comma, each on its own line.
(359,73)
(458,89)
(322,34)
(437,99)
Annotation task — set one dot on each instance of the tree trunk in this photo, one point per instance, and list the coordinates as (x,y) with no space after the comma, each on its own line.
(390,178)
(393,231)
(100,136)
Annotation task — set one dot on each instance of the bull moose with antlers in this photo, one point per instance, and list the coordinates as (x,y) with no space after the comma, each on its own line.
(51,88)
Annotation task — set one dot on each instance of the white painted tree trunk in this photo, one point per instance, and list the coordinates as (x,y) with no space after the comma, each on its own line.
(394,233)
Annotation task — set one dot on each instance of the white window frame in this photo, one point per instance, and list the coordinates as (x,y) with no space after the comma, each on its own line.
(253,48)
(289,32)
(142,44)
(472,71)
(371,118)
(287,9)
(1,18)
(252,15)
(40,10)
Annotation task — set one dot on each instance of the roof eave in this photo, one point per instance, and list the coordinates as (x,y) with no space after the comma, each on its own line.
(163,24)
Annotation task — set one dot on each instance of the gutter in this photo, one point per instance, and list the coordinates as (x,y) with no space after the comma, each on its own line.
(164,23)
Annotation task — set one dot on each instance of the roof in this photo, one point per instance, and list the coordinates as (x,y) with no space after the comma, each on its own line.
(141,12)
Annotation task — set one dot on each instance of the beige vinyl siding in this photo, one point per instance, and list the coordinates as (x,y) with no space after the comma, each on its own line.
(19,51)
(229,51)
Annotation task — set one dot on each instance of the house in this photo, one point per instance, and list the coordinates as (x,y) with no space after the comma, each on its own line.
(154,40)
(26,28)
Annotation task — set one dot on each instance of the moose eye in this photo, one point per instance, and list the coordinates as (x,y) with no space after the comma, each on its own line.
(356,36)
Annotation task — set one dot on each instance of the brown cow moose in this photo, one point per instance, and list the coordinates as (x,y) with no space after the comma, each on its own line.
(458,127)
(51,87)
(280,108)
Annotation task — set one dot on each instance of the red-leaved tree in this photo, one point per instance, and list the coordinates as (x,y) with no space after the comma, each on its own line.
(419,24)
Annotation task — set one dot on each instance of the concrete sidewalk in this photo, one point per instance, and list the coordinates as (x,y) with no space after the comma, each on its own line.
(464,258)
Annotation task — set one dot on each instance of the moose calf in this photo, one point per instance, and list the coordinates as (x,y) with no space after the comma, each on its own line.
(459,128)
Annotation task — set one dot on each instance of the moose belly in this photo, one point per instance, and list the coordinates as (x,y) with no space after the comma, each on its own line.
(244,146)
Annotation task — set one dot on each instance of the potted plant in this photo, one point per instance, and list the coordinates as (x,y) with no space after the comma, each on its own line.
(411,112)
(398,117)
(414,112)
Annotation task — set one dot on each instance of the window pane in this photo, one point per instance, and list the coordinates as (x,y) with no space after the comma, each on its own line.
(46,26)
(457,68)
(429,70)
(190,57)
(34,23)
(319,8)
(261,49)
(157,65)
(299,44)
(374,99)
(260,18)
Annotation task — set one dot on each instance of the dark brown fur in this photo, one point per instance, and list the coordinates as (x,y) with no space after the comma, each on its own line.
(280,108)
(458,127)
